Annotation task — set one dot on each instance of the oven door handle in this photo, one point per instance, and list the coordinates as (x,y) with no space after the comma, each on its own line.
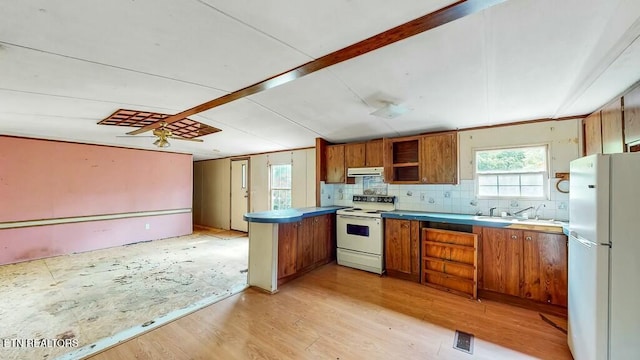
(358,217)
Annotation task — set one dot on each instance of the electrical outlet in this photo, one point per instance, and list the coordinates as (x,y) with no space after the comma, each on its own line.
(421,196)
(147,226)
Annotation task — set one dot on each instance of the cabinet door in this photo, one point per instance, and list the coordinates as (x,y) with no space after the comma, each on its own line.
(544,262)
(322,239)
(305,244)
(374,153)
(354,155)
(401,160)
(501,260)
(612,135)
(439,159)
(402,252)
(329,226)
(632,116)
(592,127)
(319,243)
(287,249)
(335,164)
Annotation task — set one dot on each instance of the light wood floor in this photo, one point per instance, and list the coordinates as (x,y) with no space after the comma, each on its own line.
(341,313)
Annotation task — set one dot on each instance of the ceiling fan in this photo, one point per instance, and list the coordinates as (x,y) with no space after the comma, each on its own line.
(163,134)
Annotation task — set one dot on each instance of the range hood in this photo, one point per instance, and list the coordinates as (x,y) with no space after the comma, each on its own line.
(365,171)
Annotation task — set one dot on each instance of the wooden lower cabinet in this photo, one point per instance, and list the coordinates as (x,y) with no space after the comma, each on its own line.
(306,239)
(324,246)
(305,245)
(287,249)
(402,248)
(544,270)
(526,264)
(501,259)
(449,261)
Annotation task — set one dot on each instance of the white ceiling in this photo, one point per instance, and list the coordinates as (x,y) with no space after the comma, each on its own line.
(67,64)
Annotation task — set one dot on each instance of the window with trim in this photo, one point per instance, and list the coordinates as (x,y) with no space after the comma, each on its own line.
(280,186)
(517,172)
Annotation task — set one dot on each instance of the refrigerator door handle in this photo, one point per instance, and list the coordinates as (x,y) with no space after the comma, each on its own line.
(584,242)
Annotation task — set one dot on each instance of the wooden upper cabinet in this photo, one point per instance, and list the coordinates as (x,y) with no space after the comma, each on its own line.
(592,128)
(439,158)
(354,155)
(501,260)
(612,133)
(544,267)
(335,164)
(632,116)
(374,153)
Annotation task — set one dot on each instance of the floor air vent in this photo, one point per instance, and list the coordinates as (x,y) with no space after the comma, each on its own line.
(463,342)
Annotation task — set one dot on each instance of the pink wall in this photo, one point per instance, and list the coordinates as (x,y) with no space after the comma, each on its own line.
(42,179)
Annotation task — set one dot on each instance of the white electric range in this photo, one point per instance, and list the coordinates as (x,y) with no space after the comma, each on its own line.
(360,232)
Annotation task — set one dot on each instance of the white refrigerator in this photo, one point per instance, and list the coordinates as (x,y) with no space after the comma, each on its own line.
(604,257)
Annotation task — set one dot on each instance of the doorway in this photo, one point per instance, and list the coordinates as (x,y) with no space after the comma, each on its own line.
(239,194)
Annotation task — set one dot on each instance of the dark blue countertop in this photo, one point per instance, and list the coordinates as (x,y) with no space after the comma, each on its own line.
(289,215)
(293,215)
(465,219)
(443,217)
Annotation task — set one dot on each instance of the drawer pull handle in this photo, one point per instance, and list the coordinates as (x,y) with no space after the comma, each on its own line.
(514,237)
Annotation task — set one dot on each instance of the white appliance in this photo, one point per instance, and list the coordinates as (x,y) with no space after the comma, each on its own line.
(360,232)
(604,257)
(365,171)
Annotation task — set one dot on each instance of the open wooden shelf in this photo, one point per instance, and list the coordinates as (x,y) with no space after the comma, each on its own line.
(447,261)
(450,261)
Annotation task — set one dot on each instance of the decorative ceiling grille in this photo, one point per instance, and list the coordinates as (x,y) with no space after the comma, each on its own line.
(185,128)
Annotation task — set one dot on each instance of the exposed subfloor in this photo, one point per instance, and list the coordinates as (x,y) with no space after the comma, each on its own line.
(109,292)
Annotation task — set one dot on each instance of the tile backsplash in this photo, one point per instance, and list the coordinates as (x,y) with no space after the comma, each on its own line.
(450,199)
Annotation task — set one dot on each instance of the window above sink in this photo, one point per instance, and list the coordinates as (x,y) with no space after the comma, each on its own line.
(512,173)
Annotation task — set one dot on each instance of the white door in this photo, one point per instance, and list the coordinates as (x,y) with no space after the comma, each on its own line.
(239,194)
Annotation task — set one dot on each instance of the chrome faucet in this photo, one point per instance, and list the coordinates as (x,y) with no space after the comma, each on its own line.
(491,211)
(538,208)
(523,210)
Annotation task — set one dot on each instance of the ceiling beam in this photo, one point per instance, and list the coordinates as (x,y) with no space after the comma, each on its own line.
(427,22)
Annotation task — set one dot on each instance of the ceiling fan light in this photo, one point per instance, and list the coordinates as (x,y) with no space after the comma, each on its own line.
(390,111)
(161,143)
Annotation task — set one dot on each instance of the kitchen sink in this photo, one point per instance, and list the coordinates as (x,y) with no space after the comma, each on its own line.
(550,222)
(515,220)
(493,218)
